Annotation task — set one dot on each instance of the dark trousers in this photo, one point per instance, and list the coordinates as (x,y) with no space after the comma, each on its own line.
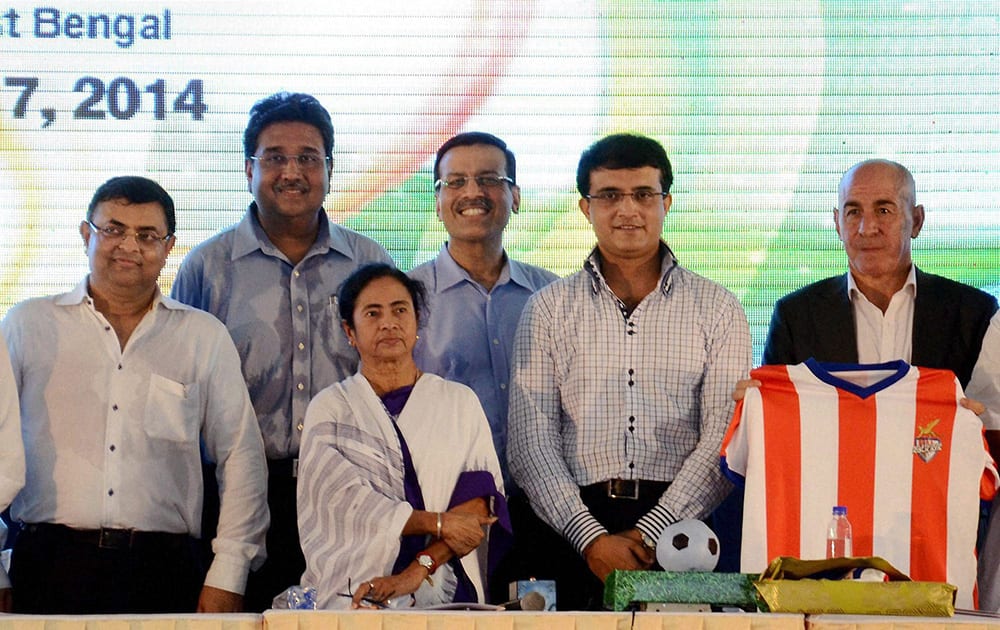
(56,570)
(541,552)
(285,562)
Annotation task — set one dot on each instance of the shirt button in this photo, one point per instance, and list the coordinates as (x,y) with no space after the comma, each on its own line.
(112,448)
(119,366)
(300,426)
(298,307)
(496,342)
(107,328)
(631,465)
(296,273)
(302,346)
(300,386)
(503,385)
(111,493)
(114,407)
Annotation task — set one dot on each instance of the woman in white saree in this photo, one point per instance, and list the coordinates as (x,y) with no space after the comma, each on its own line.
(398,475)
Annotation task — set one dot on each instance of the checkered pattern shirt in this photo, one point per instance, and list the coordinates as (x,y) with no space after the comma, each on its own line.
(598,393)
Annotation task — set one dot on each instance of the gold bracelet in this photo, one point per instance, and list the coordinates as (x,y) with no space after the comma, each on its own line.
(439,525)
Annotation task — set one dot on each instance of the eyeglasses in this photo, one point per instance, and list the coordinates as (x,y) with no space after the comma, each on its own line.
(278,161)
(118,234)
(484,181)
(610,198)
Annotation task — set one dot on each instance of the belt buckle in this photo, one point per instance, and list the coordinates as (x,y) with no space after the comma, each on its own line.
(623,489)
(114,538)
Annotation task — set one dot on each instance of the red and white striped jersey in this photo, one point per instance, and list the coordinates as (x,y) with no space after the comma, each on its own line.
(889,441)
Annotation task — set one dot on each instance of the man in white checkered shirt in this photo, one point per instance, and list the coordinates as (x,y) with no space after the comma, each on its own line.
(620,391)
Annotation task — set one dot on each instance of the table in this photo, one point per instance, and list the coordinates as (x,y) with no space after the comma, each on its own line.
(876,622)
(132,622)
(460,620)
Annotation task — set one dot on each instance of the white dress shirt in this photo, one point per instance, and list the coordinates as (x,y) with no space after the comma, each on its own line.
(113,437)
(888,336)
(11,446)
(985,383)
(985,387)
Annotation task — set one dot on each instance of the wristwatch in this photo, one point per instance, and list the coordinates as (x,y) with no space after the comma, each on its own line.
(647,541)
(427,561)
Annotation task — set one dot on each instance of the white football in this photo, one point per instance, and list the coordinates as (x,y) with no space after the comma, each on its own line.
(689,545)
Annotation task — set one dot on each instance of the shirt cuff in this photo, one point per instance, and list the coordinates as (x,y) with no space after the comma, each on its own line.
(228,573)
(582,530)
(655,521)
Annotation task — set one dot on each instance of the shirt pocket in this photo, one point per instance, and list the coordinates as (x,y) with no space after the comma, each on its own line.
(172,410)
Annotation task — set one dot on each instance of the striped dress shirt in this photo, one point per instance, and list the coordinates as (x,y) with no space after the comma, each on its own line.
(598,393)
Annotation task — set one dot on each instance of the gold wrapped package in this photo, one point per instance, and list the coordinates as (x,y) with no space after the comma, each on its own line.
(790,585)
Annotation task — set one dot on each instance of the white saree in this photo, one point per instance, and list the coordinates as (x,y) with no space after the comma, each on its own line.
(351,500)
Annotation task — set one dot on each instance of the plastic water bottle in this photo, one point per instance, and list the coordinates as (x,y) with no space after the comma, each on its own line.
(838,534)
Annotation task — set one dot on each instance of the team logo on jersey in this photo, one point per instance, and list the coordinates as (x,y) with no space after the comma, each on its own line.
(927,444)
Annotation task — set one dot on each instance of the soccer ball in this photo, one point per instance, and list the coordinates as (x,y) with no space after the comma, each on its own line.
(689,545)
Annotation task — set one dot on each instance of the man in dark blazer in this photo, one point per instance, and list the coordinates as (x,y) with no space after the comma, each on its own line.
(949,322)
(931,321)
(883,308)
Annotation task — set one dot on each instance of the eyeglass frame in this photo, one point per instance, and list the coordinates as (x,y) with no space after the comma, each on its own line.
(109,232)
(280,161)
(615,197)
(480,181)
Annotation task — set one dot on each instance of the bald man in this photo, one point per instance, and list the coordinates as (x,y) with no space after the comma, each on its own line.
(883,308)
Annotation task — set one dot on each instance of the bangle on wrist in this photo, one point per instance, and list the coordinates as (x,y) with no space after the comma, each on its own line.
(439,515)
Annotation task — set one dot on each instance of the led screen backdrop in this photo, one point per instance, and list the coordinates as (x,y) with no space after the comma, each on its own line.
(761,105)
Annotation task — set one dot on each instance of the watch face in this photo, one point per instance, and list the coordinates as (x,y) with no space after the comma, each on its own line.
(425,560)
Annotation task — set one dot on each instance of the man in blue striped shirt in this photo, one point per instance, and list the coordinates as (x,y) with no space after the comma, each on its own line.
(475,290)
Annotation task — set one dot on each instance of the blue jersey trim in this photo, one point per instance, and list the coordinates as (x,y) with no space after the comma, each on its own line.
(824,372)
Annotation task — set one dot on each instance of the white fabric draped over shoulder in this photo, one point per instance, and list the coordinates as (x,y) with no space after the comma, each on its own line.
(351,501)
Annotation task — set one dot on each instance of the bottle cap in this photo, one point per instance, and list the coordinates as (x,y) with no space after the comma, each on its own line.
(840,510)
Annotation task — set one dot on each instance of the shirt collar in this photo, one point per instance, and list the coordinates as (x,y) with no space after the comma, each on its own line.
(79,295)
(449,273)
(911,283)
(250,237)
(668,262)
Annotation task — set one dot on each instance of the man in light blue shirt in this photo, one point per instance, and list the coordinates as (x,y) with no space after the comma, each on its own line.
(475,291)
(271,279)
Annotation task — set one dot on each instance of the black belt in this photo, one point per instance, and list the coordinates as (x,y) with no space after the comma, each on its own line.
(627,489)
(106,537)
